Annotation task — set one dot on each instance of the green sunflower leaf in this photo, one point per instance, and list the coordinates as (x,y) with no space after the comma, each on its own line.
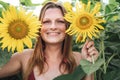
(4,4)
(89,68)
(4,57)
(85,1)
(28,3)
(1,12)
(78,74)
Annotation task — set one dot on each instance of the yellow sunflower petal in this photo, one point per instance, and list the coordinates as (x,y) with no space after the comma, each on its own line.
(67,6)
(13,12)
(96,8)
(20,45)
(5,41)
(89,35)
(99,26)
(13,44)
(88,6)
(27,42)
(69,16)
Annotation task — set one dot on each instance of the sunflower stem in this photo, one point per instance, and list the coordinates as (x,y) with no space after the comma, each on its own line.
(93,61)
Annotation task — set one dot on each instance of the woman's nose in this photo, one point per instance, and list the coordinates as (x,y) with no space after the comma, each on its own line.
(53,26)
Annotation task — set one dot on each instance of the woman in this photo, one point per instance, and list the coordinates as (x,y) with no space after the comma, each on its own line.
(52,55)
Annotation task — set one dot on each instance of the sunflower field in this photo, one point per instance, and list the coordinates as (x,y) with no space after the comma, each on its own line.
(97,20)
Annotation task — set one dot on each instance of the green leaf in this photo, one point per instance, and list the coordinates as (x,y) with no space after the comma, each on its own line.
(1,12)
(4,4)
(85,1)
(111,10)
(78,74)
(113,2)
(118,1)
(4,57)
(112,75)
(28,3)
(111,43)
(107,9)
(113,27)
(89,68)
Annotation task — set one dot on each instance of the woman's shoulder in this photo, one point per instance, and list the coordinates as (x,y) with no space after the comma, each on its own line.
(77,56)
(23,57)
(25,54)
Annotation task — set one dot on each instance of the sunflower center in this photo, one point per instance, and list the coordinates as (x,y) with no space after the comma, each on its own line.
(18,29)
(84,21)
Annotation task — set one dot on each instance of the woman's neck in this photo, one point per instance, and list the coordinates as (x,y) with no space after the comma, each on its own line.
(53,52)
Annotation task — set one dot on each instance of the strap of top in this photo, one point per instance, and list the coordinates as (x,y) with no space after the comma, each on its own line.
(31,76)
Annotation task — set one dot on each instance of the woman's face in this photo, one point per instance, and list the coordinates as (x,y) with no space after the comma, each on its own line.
(53,26)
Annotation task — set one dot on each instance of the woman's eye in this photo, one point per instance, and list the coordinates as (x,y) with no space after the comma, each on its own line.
(45,22)
(61,21)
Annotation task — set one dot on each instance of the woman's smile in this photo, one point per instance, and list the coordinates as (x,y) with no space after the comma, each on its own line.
(53,33)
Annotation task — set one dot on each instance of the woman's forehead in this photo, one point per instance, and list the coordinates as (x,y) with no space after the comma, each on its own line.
(53,12)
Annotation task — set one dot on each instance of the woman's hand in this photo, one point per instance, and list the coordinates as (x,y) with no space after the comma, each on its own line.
(89,52)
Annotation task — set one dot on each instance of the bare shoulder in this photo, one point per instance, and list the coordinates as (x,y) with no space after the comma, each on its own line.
(77,56)
(23,58)
(20,55)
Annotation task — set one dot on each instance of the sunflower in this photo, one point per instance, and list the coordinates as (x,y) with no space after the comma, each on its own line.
(67,6)
(85,22)
(17,29)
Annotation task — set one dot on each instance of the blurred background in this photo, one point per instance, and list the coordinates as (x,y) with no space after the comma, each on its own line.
(108,44)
